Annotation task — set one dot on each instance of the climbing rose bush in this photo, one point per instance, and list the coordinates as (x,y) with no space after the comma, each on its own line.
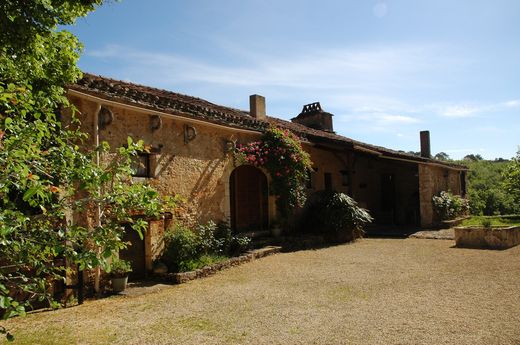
(280,152)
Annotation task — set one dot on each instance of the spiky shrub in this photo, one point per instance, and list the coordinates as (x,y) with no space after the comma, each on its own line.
(335,215)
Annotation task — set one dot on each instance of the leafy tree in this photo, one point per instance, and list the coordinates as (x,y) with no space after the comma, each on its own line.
(472,157)
(512,177)
(47,179)
(486,190)
(442,156)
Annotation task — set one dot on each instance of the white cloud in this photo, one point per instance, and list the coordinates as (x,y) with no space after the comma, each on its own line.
(460,111)
(368,69)
(513,104)
(471,110)
(398,119)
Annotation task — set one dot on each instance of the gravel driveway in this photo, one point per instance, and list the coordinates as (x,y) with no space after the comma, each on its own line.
(375,291)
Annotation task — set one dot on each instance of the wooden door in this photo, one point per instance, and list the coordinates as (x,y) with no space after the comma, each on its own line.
(135,253)
(248,199)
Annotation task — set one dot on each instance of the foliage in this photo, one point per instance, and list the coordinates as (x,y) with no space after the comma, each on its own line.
(486,223)
(201,261)
(46,180)
(448,206)
(486,191)
(473,157)
(33,52)
(281,154)
(442,156)
(187,249)
(492,220)
(181,246)
(334,213)
(512,179)
(119,268)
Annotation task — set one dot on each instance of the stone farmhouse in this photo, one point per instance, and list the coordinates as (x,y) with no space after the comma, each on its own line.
(191,144)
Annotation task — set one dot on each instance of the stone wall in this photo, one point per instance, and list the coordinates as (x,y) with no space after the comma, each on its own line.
(188,158)
(432,180)
(333,162)
(494,238)
(367,189)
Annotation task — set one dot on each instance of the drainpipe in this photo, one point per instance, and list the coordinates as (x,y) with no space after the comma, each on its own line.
(97,271)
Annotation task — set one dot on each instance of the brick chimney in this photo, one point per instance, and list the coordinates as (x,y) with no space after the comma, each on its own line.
(313,116)
(425,144)
(257,107)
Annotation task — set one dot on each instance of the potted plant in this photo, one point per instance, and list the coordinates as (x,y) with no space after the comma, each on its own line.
(118,271)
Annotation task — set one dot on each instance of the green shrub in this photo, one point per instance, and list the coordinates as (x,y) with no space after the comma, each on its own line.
(486,223)
(186,249)
(204,260)
(334,214)
(238,244)
(448,206)
(181,246)
(208,243)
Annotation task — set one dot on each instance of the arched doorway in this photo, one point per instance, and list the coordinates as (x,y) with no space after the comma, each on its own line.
(248,194)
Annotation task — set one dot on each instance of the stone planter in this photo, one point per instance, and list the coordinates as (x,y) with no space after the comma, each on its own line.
(447,224)
(492,238)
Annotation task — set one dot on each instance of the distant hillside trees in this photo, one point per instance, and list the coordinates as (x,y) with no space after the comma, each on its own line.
(488,191)
(512,178)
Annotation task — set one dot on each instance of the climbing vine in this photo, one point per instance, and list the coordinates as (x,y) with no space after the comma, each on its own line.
(280,152)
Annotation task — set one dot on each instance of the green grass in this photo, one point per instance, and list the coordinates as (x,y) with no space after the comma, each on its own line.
(513,220)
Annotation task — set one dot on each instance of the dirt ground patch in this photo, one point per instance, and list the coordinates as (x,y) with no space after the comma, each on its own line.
(375,291)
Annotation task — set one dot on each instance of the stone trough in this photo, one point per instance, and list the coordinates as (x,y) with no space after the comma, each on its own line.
(491,238)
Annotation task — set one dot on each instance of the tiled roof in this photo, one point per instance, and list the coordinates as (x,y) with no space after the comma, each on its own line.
(192,107)
(166,101)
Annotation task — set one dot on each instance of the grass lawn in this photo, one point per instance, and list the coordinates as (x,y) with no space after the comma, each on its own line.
(375,291)
(513,220)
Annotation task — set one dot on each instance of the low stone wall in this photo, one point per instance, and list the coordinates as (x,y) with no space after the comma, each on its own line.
(206,271)
(494,238)
(448,224)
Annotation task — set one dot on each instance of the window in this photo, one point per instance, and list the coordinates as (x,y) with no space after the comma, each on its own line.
(463,183)
(328,181)
(310,176)
(141,165)
(345,178)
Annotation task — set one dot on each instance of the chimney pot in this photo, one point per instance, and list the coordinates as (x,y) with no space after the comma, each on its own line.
(257,107)
(425,144)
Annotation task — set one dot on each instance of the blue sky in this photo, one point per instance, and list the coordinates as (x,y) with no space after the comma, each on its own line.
(386,68)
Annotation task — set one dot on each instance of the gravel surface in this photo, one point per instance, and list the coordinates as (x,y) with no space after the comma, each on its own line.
(375,291)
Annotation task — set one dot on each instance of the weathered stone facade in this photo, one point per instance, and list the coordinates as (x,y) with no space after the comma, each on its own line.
(190,142)
(432,180)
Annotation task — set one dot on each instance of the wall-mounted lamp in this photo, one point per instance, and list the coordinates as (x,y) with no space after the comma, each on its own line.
(155,122)
(190,133)
(105,117)
(229,146)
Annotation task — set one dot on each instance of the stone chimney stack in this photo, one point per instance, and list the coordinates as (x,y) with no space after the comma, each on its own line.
(313,116)
(257,107)
(425,144)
